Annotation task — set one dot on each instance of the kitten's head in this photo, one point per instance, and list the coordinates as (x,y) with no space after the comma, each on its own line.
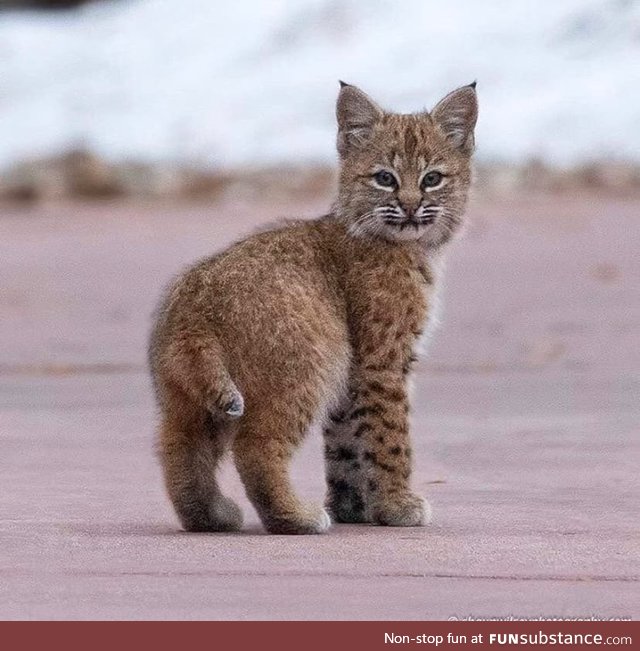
(405,177)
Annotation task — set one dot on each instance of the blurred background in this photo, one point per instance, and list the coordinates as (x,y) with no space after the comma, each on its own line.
(180,97)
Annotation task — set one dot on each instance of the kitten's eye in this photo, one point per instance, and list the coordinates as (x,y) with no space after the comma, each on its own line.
(385,179)
(431,179)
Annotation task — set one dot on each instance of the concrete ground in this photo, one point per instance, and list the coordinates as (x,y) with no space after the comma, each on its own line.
(526,430)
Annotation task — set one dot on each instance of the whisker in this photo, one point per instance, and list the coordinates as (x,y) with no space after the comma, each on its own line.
(358,226)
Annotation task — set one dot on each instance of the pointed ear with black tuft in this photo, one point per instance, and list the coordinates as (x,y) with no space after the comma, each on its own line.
(357,114)
(457,114)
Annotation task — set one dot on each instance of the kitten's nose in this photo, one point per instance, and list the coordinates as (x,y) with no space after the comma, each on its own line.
(410,207)
(409,199)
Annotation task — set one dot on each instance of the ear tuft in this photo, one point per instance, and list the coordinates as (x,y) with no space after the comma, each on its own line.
(457,114)
(343,83)
(357,114)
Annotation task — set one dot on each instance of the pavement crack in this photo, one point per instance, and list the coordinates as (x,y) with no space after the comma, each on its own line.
(589,578)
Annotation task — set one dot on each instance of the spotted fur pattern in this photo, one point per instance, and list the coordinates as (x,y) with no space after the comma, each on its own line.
(316,322)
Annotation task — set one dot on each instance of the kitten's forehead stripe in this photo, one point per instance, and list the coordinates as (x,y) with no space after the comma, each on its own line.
(410,142)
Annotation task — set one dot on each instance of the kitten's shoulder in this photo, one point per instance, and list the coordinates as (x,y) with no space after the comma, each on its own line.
(285,226)
(277,237)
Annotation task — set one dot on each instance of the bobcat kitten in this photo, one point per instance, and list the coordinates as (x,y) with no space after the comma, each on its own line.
(316,321)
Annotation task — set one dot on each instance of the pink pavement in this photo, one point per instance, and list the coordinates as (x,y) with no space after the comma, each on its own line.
(526,428)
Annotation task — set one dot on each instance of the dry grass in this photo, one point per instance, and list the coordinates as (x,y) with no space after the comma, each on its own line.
(83,175)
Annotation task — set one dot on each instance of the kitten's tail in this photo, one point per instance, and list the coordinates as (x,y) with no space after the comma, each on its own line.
(197,367)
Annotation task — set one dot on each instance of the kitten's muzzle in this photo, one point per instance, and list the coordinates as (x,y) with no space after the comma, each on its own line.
(422,220)
(403,217)
(416,220)
(411,222)
(419,213)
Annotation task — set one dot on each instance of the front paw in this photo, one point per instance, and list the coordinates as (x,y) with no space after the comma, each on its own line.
(405,510)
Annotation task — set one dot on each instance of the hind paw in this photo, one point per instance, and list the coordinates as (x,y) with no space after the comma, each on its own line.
(222,515)
(310,520)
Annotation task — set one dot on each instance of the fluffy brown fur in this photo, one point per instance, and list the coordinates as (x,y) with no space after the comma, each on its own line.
(316,322)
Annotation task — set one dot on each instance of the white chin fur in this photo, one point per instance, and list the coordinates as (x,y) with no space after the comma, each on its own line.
(404,234)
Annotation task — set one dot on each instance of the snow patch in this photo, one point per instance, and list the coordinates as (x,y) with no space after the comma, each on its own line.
(253,83)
